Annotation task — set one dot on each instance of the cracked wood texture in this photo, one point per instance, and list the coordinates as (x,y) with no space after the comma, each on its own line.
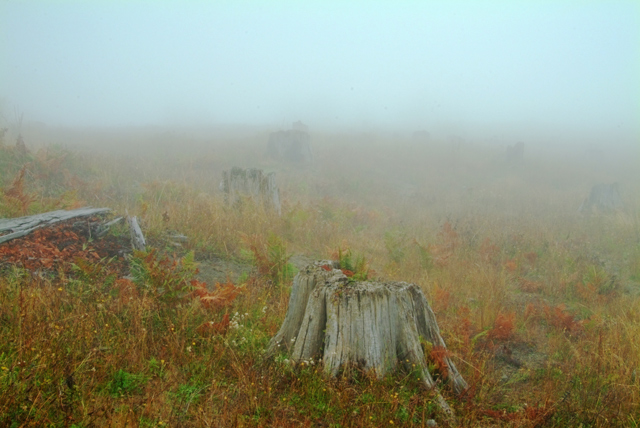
(375,325)
(22,226)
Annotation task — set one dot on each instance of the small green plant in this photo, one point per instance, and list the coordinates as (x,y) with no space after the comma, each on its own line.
(271,258)
(355,267)
(169,279)
(124,383)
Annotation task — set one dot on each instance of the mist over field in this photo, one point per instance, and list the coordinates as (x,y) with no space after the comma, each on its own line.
(549,71)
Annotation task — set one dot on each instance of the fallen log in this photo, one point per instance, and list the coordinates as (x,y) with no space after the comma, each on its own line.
(378,326)
(21,226)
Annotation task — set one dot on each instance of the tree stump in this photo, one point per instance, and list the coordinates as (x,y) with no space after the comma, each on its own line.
(377,326)
(252,183)
(515,153)
(604,198)
(293,146)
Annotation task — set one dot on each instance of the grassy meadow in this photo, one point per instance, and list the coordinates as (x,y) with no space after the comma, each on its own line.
(539,306)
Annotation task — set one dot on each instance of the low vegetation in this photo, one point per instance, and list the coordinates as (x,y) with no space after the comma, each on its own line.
(539,306)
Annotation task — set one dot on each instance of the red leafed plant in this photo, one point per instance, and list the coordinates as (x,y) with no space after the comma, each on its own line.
(503,327)
(562,319)
(211,328)
(437,356)
(16,192)
(222,296)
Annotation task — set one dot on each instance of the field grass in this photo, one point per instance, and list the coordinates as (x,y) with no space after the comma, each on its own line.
(539,306)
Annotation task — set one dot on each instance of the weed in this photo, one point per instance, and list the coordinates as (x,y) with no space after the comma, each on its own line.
(124,383)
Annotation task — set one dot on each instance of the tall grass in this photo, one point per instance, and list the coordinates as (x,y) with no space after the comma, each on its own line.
(540,307)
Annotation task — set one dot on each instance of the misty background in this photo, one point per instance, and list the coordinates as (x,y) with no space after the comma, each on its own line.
(557,67)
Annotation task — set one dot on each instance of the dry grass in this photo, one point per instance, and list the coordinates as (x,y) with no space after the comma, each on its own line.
(539,307)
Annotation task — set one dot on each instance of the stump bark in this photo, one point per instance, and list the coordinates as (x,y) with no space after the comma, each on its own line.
(250,183)
(379,326)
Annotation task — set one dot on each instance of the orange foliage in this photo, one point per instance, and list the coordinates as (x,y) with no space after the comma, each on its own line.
(529,286)
(127,289)
(16,191)
(48,248)
(560,318)
(503,327)
(464,328)
(442,298)
(510,265)
(437,356)
(222,296)
(489,251)
(210,328)
(531,311)
(347,272)
(587,292)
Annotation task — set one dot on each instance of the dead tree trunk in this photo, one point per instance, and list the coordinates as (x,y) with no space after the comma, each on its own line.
(241,183)
(377,326)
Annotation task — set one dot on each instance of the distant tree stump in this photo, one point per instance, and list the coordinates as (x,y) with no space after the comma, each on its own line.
(21,147)
(299,126)
(515,153)
(376,326)
(604,199)
(293,145)
(253,183)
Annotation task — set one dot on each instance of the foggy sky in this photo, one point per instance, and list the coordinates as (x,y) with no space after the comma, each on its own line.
(366,64)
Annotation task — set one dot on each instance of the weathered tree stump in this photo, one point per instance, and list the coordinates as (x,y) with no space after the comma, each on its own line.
(239,183)
(374,325)
(604,199)
(293,146)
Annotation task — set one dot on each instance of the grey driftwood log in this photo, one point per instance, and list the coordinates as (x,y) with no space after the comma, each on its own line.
(374,325)
(21,226)
(603,198)
(252,183)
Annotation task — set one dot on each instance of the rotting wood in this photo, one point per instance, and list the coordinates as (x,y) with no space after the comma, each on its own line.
(378,326)
(239,183)
(21,226)
(137,238)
